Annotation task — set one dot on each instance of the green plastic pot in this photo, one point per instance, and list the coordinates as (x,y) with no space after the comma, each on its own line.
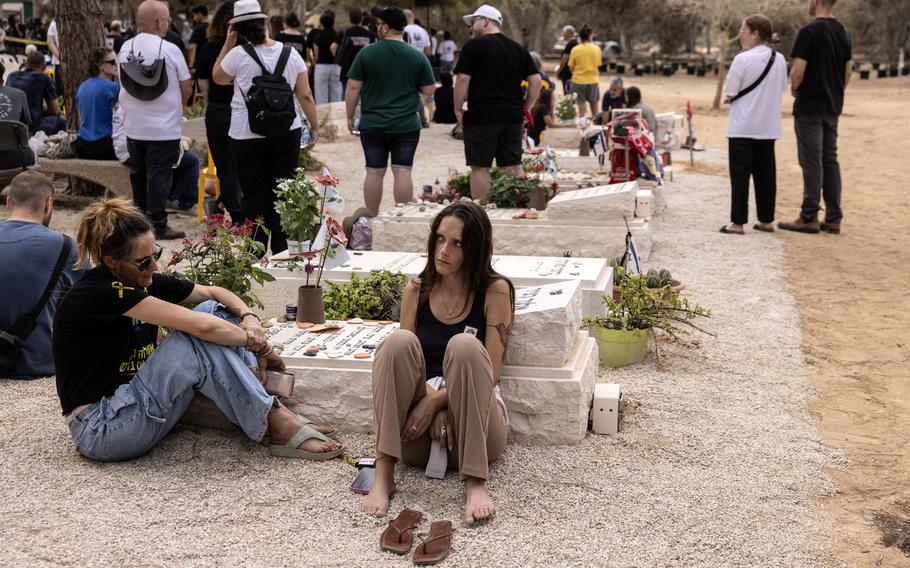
(619,348)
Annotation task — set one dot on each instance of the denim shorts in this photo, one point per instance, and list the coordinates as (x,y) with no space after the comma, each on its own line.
(377,145)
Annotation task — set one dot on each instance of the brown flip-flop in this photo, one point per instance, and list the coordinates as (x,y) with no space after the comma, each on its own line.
(763,228)
(435,546)
(727,231)
(397,536)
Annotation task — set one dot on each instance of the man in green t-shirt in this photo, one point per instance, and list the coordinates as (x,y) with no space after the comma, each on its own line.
(388,78)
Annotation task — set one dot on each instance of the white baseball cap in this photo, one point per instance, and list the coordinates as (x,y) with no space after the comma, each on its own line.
(485,11)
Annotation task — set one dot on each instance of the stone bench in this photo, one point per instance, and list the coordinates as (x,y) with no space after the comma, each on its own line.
(113,176)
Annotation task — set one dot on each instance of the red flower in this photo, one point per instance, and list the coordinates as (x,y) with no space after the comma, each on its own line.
(327,180)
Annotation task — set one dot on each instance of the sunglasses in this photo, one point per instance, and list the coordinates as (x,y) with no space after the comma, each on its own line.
(143,264)
(110,61)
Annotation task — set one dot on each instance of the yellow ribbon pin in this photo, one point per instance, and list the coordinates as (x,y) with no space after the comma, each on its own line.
(120,288)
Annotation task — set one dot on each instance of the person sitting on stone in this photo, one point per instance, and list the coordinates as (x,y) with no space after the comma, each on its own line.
(121,393)
(615,97)
(40,91)
(28,254)
(435,380)
(544,117)
(96,98)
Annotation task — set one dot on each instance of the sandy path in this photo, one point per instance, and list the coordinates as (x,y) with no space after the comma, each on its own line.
(853,312)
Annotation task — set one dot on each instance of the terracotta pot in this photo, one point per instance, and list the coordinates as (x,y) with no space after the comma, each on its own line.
(537,198)
(310,306)
(677,286)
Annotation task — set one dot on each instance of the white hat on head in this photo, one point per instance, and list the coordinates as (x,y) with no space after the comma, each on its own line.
(485,11)
(245,10)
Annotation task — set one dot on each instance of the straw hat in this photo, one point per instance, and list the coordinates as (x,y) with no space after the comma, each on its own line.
(245,10)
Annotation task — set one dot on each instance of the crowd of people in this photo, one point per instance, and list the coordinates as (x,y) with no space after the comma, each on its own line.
(435,381)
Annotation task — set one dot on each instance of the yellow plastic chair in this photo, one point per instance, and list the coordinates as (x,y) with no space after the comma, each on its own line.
(206,173)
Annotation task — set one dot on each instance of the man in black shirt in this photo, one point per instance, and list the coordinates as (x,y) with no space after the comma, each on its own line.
(565,74)
(821,71)
(351,42)
(490,71)
(197,39)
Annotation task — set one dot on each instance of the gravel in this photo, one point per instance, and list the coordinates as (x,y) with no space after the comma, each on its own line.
(718,462)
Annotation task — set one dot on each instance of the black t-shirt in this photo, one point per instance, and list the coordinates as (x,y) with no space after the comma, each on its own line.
(825,46)
(198,37)
(350,43)
(324,40)
(497,66)
(540,123)
(205,62)
(297,41)
(96,347)
(172,36)
(565,74)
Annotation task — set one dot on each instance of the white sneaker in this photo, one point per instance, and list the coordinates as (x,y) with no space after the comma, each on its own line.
(188,212)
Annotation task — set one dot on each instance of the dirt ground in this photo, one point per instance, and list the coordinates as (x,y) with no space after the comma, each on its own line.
(854,318)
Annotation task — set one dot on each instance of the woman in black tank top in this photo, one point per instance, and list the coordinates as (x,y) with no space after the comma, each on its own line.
(455,323)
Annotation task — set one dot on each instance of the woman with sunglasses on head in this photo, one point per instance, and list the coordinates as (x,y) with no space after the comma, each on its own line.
(121,392)
(436,379)
(96,98)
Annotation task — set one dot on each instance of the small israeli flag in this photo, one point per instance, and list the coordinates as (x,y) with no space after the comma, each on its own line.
(549,162)
(633,263)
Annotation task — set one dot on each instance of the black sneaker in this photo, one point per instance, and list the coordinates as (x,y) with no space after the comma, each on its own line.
(167,233)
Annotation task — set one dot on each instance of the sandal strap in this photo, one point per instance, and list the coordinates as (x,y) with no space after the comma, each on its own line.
(402,530)
(304,434)
(425,541)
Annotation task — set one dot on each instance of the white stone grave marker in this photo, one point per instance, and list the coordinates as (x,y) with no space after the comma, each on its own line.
(594,204)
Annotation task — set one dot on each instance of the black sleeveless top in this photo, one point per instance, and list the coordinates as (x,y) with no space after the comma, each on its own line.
(435,335)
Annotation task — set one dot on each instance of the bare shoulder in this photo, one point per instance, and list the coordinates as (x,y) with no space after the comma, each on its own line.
(498,287)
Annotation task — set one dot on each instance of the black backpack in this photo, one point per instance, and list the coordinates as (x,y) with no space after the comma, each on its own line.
(270,101)
(13,338)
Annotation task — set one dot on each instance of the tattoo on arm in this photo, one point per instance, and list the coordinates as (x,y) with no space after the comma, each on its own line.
(504,332)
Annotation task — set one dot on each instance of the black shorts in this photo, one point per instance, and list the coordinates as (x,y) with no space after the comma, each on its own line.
(483,142)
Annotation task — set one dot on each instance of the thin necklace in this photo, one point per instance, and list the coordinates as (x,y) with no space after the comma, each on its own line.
(450,311)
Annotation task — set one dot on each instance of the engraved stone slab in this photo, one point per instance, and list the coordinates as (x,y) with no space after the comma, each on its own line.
(547,405)
(547,318)
(595,203)
(528,237)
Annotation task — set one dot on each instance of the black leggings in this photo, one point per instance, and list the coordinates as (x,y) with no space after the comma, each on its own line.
(217,124)
(261,162)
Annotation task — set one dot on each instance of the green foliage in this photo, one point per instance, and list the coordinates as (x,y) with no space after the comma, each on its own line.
(308,162)
(460,183)
(507,190)
(567,107)
(640,307)
(194,111)
(225,256)
(375,297)
(297,202)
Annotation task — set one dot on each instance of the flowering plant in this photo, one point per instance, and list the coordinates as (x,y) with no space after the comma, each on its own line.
(297,203)
(225,256)
(566,109)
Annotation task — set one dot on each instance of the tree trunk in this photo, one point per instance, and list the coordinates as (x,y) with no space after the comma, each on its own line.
(722,71)
(81,29)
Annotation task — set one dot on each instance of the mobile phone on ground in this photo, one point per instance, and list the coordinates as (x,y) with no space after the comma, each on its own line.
(364,480)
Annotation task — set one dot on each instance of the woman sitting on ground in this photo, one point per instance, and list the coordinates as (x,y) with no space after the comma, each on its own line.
(436,379)
(96,98)
(120,393)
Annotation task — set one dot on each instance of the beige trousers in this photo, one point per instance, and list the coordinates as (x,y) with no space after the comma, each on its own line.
(399,382)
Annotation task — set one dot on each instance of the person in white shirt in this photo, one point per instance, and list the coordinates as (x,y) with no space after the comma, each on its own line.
(153,127)
(754,124)
(419,39)
(446,52)
(262,161)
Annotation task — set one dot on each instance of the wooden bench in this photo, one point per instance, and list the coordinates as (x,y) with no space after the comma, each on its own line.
(110,174)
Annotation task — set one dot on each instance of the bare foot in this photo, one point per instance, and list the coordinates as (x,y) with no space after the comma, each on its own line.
(376,503)
(478,506)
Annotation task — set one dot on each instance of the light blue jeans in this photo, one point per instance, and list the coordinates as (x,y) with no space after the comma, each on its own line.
(140,413)
(327,82)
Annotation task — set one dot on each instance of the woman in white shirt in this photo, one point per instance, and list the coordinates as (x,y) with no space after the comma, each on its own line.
(754,124)
(446,52)
(262,160)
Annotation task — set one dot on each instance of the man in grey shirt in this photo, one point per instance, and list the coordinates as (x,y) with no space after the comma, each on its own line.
(633,100)
(14,106)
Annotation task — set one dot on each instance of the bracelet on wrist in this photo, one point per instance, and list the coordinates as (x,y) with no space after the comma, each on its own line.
(265,351)
(245,314)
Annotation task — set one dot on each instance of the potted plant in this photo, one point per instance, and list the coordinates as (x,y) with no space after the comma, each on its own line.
(567,108)
(622,334)
(226,256)
(507,190)
(302,211)
(374,297)
(654,279)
